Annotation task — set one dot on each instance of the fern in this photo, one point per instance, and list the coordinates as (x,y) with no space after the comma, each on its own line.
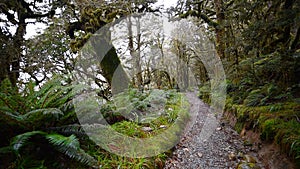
(10,99)
(75,129)
(254,98)
(35,114)
(39,113)
(6,150)
(70,147)
(20,140)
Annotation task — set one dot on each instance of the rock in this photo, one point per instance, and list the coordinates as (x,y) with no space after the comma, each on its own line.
(245,165)
(162,126)
(220,150)
(200,155)
(232,156)
(227,148)
(186,149)
(147,129)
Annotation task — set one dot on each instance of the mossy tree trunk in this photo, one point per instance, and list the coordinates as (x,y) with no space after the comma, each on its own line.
(17,13)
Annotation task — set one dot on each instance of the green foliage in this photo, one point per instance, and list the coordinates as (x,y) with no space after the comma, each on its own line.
(254,98)
(70,146)
(204,92)
(175,106)
(153,108)
(269,128)
(21,139)
(53,132)
(30,121)
(278,123)
(129,128)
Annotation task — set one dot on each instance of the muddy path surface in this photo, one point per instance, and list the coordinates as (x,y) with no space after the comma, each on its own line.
(218,146)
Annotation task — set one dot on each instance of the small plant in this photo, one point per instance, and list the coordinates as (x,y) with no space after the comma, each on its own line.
(269,128)
(254,98)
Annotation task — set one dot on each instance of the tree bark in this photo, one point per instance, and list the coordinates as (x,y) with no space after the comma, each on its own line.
(135,53)
(220,28)
(10,64)
(110,63)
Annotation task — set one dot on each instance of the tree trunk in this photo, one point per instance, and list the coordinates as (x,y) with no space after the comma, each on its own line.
(110,63)
(220,28)
(138,53)
(15,59)
(135,54)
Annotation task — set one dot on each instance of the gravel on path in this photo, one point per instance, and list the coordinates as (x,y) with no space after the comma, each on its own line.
(215,147)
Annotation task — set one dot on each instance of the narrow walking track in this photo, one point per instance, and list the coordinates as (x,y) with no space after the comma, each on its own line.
(224,149)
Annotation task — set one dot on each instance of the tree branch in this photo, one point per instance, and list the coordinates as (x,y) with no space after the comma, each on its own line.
(206,19)
(9,16)
(74,26)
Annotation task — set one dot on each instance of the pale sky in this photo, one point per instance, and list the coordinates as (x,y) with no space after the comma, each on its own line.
(167,3)
(33,29)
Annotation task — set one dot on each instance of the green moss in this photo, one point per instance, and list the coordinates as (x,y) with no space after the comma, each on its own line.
(277,123)
(129,128)
(269,128)
(175,116)
(239,127)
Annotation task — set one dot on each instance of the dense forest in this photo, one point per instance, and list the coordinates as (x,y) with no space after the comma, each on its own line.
(99,63)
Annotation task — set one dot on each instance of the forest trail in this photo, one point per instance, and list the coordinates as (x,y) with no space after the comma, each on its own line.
(224,149)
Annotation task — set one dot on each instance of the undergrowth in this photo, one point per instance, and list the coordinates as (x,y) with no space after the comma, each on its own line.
(278,123)
(40,129)
(169,105)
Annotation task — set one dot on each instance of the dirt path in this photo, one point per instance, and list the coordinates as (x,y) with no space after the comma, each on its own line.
(209,146)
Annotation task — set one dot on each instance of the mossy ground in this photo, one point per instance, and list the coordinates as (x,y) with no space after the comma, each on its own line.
(278,123)
(175,108)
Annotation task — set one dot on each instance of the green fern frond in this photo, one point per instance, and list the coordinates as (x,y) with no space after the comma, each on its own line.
(38,113)
(11,101)
(70,146)
(55,94)
(75,129)
(39,97)
(54,97)
(63,142)
(20,140)
(5,150)
(13,115)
